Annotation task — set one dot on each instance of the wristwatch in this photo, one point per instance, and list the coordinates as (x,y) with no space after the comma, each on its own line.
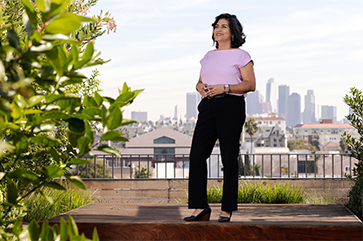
(226,89)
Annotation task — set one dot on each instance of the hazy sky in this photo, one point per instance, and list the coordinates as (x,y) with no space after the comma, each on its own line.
(309,44)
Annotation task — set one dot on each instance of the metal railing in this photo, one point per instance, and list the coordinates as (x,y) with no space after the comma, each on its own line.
(251,166)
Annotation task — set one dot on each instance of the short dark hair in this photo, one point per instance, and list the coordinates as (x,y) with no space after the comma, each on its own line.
(239,38)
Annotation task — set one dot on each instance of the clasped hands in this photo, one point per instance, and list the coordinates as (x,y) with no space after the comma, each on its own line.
(209,90)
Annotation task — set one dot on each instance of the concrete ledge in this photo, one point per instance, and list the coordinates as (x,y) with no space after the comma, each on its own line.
(172,191)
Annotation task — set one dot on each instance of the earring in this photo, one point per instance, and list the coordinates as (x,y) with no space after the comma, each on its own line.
(232,38)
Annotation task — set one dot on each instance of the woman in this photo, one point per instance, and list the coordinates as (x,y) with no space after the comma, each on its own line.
(226,76)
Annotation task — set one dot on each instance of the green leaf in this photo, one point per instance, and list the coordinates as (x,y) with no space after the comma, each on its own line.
(66,23)
(32,112)
(5,106)
(53,171)
(34,231)
(98,99)
(77,181)
(126,122)
(89,131)
(76,125)
(104,116)
(114,119)
(17,227)
(29,9)
(113,136)
(58,115)
(78,161)
(125,89)
(21,145)
(72,227)
(108,149)
(95,235)
(84,145)
(55,185)
(63,230)
(45,141)
(54,97)
(34,100)
(13,39)
(58,5)
(25,175)
(12,192)
(89,102)
(88,53)
(74,136)
(44,235)
(93,111)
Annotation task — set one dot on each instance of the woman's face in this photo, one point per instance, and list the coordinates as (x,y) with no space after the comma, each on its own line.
(222,31)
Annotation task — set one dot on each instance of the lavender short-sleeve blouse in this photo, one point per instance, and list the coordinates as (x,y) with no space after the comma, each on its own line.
(222,67)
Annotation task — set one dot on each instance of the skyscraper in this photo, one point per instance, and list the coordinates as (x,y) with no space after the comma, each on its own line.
(293,110)
(329,112)
(192,104)
(284,92)
(140,116)
(309,111)
(271,95)
(177,112)
(255,104)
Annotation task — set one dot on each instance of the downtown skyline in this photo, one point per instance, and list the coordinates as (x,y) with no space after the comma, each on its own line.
(304,44)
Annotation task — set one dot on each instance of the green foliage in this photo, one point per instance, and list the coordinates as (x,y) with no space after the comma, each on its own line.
(88,170)
(57,202)
(251,128)
(355,146)
(250,171)
(300,145)
(143,173)
(260,193)
(39,62)
(64,232)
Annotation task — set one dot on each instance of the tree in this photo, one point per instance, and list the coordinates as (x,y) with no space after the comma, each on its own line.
(355,145)
(300,145)
(143,173)
(39,60)
(251,128)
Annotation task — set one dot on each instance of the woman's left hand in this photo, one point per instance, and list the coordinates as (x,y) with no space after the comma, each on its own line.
(215,90)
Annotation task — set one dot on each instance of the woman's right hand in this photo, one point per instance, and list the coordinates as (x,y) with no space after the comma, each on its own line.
(202,89)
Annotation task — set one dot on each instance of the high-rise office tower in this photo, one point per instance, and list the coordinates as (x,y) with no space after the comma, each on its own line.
(284,92)
(177,112)
(293,110)
(140,116)
(309,110)
(192,104)
(329,112)
(271,95)
(253,103)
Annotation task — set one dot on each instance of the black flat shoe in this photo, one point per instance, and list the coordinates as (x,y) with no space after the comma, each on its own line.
(202,216)
(225,219)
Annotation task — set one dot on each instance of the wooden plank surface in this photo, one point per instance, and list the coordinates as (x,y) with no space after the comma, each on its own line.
(250,222)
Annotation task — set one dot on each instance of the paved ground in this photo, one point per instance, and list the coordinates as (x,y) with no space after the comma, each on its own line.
(250,222)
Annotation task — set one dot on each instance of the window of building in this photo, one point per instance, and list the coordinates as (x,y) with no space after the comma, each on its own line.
(259,122)
(275,145)
(306,131)
(164,140)
(270,122)
(279,122)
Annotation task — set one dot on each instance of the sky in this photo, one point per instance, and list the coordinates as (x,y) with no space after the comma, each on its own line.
(309,44)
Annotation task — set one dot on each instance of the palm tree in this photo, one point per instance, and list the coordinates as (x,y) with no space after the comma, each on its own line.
(251,128)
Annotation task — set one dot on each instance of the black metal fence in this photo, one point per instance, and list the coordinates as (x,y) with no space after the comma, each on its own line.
(251,166)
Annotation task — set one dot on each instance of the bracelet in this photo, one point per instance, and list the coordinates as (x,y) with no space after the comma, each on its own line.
(227,87)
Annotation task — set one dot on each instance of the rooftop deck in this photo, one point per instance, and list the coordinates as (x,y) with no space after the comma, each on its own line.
(250,222)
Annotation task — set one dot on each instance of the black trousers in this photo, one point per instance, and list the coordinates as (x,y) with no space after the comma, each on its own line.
(223,119)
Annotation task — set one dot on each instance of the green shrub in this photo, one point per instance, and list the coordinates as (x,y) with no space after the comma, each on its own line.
(88,170)
(57,202)
(355,146)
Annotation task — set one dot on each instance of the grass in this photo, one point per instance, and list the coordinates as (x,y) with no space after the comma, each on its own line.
(267,194)
(40,208)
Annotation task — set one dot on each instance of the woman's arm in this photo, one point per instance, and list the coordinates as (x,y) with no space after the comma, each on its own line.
(248,84)
(201,88)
